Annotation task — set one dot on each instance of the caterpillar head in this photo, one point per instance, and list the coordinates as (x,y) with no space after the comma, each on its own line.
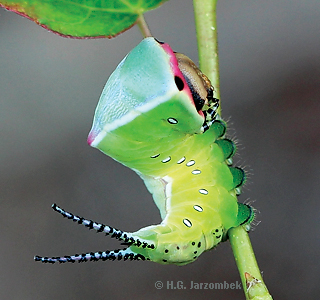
(154,93)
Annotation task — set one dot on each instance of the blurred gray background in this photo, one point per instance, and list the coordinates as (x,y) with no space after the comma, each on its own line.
(49,87)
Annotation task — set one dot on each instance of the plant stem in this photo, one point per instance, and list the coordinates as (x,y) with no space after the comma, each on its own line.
(252,281)
(206,27)
(143,26)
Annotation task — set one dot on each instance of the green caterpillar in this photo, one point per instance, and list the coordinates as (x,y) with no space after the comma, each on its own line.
(157,115)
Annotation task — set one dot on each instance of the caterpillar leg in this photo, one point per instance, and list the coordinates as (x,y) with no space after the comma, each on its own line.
(246,215)
(210,113)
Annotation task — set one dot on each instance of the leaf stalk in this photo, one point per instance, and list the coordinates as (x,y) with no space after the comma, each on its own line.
(143,26)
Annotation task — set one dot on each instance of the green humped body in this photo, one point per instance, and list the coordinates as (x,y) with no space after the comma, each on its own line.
(157,115)
(184,169)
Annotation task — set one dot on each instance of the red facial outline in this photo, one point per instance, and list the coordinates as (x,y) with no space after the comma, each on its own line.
(177,72)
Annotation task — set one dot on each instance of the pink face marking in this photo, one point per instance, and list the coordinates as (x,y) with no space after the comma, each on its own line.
(92,135)
(178,73)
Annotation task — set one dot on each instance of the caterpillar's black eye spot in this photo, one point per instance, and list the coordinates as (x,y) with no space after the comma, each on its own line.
(195,252)
(179,83)
(178,247)
(193,243)
(166,251)
(164,260)
(217,230)
(199,244)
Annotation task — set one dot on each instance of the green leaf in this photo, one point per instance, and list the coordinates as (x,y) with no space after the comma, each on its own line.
(82,18)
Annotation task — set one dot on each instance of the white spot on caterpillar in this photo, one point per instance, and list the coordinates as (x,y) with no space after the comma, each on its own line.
(187,222)
(166,159)
(190,163)
(203,191)
(196,172)
(181,160)
(172,121)
(155,156)
(198,208)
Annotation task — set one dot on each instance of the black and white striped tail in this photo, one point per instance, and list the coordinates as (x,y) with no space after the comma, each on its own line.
(126,237)
(125,254)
